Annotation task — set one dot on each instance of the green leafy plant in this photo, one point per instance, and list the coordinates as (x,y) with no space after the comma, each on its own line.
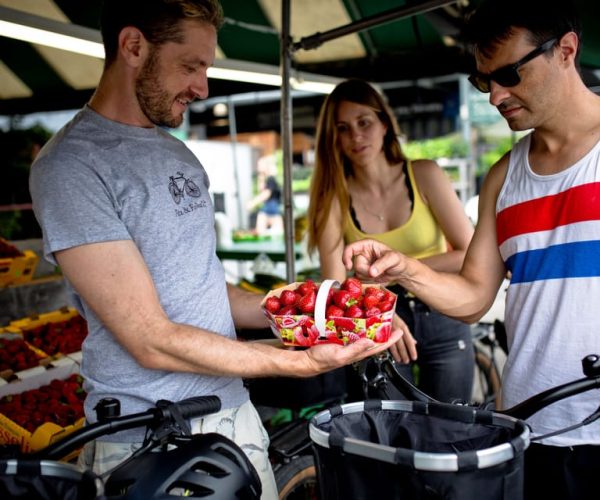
(450,146)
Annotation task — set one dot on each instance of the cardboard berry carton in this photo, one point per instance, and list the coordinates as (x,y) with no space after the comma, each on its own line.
(16,266)
(41,409)
(306,313)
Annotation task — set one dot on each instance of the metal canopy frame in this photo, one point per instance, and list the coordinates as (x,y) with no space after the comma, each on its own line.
(287,49)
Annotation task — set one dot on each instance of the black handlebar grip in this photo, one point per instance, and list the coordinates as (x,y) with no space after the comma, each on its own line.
(198,406)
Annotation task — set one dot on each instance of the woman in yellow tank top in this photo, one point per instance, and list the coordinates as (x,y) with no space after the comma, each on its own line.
(364,186)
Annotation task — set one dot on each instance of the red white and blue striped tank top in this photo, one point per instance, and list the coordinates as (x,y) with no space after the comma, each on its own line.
(548,230)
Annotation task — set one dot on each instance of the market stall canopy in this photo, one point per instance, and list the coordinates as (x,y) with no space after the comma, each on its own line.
(38,78)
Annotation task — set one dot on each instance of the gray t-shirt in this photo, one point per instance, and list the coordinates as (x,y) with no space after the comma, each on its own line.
(97,180)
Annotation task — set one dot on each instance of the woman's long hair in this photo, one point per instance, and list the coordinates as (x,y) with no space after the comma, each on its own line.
(331,167)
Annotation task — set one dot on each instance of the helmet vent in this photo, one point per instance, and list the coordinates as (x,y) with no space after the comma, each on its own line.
(209,468)
(189,490)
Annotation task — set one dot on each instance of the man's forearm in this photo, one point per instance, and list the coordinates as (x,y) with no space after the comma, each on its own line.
(449,293)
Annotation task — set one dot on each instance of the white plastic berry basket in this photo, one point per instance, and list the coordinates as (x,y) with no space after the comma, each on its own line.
(307,330)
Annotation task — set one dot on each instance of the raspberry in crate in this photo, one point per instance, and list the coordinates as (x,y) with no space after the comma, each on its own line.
(307,313)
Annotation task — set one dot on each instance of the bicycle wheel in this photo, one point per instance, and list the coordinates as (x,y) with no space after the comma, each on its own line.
(297,479)
(487,376)
(175,192)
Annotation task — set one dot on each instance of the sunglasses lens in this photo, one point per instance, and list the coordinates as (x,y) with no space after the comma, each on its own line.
(480,82)
(507,77)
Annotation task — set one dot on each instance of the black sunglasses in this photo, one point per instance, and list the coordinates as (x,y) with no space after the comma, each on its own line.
(508,76)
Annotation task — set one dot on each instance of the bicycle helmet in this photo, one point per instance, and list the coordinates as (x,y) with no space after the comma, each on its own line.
(200,466)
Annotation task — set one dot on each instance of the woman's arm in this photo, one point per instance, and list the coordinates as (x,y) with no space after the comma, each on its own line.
(437,192)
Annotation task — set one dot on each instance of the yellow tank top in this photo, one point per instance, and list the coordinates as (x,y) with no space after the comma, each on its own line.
(419,237)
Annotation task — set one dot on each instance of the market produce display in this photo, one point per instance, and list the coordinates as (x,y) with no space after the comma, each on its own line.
(59,402)
(352,311)
(16,355)
(63,337)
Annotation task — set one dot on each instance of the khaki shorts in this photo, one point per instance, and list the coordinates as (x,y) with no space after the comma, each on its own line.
(242,425)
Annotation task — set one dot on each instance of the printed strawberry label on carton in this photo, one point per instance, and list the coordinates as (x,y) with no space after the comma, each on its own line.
(306,313)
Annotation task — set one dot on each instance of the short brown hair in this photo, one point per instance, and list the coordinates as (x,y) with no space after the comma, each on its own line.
(158,20)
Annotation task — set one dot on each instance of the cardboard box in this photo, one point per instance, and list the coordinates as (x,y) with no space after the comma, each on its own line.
(307,330)
(47,433)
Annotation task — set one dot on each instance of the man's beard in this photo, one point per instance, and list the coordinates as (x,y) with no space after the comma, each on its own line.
(154,100)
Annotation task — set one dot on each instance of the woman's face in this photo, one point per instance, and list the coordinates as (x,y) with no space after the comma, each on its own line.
(360,132)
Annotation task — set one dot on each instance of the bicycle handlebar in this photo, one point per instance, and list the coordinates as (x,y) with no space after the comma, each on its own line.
(165,411)
(198,406)
(523,410)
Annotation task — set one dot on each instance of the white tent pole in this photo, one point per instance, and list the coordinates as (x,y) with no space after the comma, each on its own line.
(286,140)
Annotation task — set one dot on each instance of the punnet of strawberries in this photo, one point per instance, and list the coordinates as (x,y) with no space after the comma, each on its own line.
(352,311)
(16,355)
(56,337)
(59,402)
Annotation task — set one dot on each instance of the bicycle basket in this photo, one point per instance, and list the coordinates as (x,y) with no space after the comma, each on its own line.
(45,480)
(201,466)
(405,449)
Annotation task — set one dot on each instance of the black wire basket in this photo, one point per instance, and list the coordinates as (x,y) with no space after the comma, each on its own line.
(413,450)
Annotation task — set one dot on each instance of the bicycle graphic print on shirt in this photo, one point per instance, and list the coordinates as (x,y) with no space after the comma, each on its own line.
(179,186)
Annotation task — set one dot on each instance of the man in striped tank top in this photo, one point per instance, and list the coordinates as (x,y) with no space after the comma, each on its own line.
(539,221)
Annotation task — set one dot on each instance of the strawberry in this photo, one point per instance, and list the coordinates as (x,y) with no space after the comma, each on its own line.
(386,306)
(369,301)
(334,311)
(288,310)
(343,299)
(354,312)
(306,287)
(374,311)
(352,285)
(376,292)
(306,303)
(272,304)
(330,296)
(288,298)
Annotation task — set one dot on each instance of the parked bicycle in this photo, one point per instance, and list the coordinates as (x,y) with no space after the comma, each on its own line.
(170,462)
(490,354)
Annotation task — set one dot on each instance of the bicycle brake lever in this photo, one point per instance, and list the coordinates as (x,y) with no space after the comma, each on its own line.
(173,420)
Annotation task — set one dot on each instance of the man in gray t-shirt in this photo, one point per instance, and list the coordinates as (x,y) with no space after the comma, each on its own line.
(125,212)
